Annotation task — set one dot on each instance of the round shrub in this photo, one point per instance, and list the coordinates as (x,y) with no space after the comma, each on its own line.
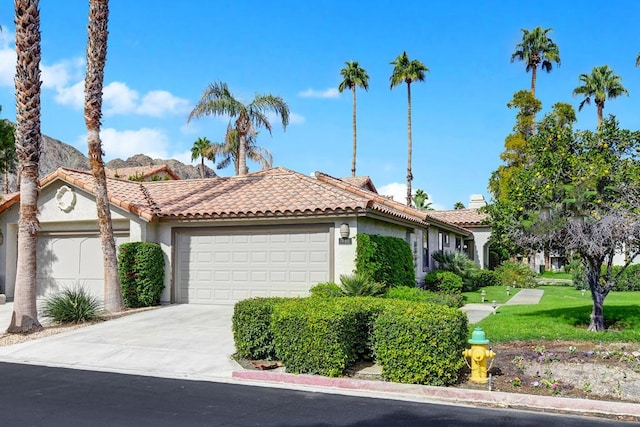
(251,326)
(420,343)
(483,278)
(326,290)
(72,306)
(443,281)
(516,274)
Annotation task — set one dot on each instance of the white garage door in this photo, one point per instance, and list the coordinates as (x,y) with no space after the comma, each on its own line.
(71,260)
(222,267)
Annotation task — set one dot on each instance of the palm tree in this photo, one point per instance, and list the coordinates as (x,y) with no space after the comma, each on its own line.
(407,71)
(217,100)
(354,76)
(28,139)
(229,150)
(458,205)
(421,201)
(535,49)
(601,84)
(93,83)
(204,149)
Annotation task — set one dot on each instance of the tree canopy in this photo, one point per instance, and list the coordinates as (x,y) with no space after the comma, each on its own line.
(600,85)
(536,49)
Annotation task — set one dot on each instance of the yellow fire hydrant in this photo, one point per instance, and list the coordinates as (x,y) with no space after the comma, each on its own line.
(478,353)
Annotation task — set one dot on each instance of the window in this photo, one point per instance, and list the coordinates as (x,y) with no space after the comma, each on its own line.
(440,240)
(446,240)
(458,244)
(425,250)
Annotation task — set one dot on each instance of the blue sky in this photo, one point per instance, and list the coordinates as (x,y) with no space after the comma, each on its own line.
(162,55)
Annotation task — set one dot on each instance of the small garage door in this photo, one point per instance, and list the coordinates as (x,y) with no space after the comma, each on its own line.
(71,260)
(222,267)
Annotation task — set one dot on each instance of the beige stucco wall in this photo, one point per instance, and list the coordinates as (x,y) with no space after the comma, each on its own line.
(481,237)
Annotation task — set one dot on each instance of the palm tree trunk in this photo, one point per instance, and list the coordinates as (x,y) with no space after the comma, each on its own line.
(202,166)
(534,74)
(410,147)
(353,161)
(25,313)
(600,108)
(243,124)
(94,79)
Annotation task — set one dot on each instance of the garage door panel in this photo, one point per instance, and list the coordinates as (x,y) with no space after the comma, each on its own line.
(271,263)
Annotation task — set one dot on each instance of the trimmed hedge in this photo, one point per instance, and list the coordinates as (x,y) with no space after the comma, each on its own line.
(385,260)
(443,281)
(326,290)
(482,278)
(141,271)
(324,336)
(420,343)
(251,326)
(420,295)
(629,280)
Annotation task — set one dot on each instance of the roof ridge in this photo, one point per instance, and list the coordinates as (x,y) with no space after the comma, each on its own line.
(152,204)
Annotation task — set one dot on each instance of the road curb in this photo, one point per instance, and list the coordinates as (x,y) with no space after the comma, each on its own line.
(621,410)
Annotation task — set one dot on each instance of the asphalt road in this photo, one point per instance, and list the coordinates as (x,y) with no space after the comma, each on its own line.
(42,396)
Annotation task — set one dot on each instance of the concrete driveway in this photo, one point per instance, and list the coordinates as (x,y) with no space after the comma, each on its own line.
(176,341)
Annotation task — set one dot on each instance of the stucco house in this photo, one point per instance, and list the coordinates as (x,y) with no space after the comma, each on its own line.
(270,233)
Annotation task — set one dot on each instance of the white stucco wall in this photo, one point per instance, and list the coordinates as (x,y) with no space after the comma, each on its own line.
(481,237)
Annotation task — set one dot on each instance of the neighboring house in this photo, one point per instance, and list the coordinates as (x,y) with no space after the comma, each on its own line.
(143,173)
(477,246)
(270,233)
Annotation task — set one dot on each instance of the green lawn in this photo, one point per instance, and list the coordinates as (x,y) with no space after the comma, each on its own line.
(497,293)
(563,313)
(555,275)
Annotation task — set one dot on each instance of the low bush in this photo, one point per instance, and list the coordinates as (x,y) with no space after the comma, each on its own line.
(420,343)
(483,278)
(420,295)
(460,264)
(516,274)
(324,336)
(629,280)
(72,306)
(141,271)
(443,281)
(326,290)
(251,326)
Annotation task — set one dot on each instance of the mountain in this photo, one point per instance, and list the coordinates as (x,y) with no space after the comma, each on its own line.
(57,154)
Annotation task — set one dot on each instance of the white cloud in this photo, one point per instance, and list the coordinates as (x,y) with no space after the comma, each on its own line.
(71,95)
(118,98)
(296,119)
(58,75)
(124,144)
(399,193)
(396,190)
(158,102)
(7,57)
(184,157)
(324,94)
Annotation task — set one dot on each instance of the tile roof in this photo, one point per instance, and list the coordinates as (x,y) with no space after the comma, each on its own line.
(274,192)
(140,171)
(361,181)
(462,217)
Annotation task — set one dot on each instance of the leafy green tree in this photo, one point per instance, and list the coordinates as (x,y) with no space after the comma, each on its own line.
(204,149)
(7,151)
(601,84)
(408,71)
(580,192)
(536,49)
(421,201)
(217,100)
(458,205)
(354,76)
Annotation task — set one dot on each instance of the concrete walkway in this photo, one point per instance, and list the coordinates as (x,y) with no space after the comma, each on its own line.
(477,312)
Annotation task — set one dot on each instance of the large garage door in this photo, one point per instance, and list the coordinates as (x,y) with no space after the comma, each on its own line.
(222,267)
(71,260)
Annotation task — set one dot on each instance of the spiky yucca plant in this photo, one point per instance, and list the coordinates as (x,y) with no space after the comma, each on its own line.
(72,306)
(359,285)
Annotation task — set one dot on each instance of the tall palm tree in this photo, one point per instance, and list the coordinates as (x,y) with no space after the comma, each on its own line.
(204,149)
(354,76)
(601,84)
(28,139)
(217,100)
(407,71)
(93,83)
(536,49)
(229,150)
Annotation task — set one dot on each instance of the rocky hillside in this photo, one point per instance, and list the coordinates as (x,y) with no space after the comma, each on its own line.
(56,154)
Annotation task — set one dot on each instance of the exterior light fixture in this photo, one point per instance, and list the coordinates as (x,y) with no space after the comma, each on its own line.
(494,305)
(345,231)
(483,294)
